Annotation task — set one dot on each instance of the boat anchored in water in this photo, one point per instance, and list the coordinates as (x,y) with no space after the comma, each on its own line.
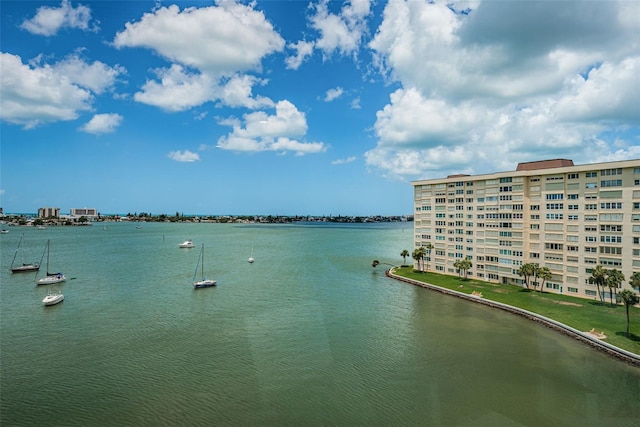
(53,298)
(204,283)
(51,278)
(186,244)
(24,267)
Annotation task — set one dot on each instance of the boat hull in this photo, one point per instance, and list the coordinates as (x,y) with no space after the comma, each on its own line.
(50,280)
(24,268)
(204,283)
(53,299)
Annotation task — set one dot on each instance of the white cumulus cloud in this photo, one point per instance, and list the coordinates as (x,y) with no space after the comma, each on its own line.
(184,156)
(333,93)
(264,132)
(485,85)
(49,20)
(102,123)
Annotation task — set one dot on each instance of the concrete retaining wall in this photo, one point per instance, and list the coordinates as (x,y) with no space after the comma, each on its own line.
(612,350)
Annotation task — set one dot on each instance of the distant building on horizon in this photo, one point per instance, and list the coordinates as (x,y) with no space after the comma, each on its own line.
(86,212)
(48,212)
(568,218)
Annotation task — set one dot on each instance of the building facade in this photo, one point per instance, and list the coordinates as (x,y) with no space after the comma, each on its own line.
(553,213)
(86,212)
(48,212)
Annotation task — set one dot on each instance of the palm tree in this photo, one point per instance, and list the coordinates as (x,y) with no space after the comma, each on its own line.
(634,280)
(465,265)
(534,274)
(416,255)
(404,254)
(458,266)
(423,253)
(614,281)
(545,274)
(628,298)
(427,250)
(599,277)
(526,270)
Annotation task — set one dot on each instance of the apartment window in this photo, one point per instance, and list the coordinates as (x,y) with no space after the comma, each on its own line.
(611,183)
(609,172)
(572,207)
(611,250)
(591,185)
(555,196)
(591,174)
(611,205)
(553,246)
(614,228)
(591,206)
(573,176)
(572,217)
(554,216)
(572,196)
(588,238)
(610,239)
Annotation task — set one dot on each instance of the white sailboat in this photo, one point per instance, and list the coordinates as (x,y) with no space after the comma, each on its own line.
(51,278)
(53,298)
(250,260)
(24,267)
(204,283)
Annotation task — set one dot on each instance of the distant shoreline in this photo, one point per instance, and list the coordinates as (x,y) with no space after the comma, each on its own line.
(67,220)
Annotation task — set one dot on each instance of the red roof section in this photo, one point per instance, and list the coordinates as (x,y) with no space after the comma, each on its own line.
(544,164)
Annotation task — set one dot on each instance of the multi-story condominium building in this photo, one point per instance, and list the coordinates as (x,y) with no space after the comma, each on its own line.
(48,212)
(87,212)
(552,213)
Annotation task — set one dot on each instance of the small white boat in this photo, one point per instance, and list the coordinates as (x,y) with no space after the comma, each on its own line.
(53,298)
(250,260)
(4,231)
(204,283)
(51,278)
(186,244)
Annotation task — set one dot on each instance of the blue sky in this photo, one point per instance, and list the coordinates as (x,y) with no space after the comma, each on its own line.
(302,107)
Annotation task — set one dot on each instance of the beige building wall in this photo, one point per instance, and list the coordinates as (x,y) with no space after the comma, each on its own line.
(48,212)
(568,218)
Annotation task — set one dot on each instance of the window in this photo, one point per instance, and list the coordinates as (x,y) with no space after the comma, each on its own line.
(591,185)
(591,174)
(555,205)
(611,183)
(572,196)
(609,172)
(554,216)
(573,176)
(611,205)
(555,196)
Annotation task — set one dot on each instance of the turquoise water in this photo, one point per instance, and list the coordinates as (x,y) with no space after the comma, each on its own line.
(310,334)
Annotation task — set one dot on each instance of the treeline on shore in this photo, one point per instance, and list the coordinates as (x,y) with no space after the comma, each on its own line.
(178,217)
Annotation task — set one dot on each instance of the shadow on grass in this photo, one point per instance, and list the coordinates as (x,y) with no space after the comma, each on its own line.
(631,337)
(598,303)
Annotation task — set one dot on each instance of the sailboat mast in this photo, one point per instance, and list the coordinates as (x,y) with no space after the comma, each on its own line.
(48,248)
(202,262)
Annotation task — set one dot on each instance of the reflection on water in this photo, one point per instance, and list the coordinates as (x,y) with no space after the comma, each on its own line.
(309,334)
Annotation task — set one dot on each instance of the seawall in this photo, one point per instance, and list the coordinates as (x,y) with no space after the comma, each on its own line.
(607,348)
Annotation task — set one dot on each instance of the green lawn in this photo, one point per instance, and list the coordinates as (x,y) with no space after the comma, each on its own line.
(581,314)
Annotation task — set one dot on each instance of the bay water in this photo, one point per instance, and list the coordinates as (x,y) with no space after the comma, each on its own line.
(309,334)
